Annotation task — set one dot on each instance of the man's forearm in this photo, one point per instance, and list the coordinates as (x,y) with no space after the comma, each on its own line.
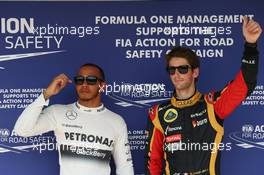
(27,120)
(249,65)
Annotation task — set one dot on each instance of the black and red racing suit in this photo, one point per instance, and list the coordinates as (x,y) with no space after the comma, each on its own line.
(187,134)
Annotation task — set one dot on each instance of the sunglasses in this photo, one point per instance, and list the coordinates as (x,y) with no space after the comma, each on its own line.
(183,69)
(91,80)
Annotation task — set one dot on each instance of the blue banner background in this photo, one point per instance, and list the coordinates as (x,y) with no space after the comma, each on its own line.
(37,72)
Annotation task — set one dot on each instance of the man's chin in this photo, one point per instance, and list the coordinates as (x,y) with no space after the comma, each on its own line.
(181,87)
(85,99)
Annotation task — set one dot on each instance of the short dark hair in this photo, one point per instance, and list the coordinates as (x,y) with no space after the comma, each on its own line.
(96,66)
(185,53)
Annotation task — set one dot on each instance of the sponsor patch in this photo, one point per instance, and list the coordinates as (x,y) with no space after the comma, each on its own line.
(173,138)
(196,123)
(170,115)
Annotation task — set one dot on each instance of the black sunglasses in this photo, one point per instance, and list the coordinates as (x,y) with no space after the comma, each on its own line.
(91,80)
(183,69)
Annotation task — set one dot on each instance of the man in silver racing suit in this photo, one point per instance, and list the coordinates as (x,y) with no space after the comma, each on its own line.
(87,132)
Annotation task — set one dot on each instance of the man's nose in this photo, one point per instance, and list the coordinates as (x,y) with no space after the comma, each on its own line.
(176,73)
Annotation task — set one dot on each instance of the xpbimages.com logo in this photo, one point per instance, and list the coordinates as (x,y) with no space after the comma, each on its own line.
(250,136)
(137,95)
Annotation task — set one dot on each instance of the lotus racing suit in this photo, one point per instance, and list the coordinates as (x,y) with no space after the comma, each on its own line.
(187,134)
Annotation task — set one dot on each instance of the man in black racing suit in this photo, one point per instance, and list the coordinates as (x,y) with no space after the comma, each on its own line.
(187,131)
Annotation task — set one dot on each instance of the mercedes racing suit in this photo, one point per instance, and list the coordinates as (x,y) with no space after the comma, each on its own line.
(187,134)
(87,137)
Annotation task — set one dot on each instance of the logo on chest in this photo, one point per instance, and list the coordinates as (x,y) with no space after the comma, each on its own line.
(173,138)
(170,115)
(198,114)
(71,115)
(197,123)
(172,129)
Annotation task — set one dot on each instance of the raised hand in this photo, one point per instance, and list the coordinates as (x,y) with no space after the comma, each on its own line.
(251,30)
(57,84)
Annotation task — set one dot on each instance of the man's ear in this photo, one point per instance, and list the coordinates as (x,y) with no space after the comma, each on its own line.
(196,72)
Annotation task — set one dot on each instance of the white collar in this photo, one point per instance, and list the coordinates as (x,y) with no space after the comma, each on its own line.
(90,110)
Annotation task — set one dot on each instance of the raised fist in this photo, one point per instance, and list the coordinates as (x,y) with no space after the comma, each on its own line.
(57,84)
(251,30)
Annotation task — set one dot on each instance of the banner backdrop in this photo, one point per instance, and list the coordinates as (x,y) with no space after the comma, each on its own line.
(39,40)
